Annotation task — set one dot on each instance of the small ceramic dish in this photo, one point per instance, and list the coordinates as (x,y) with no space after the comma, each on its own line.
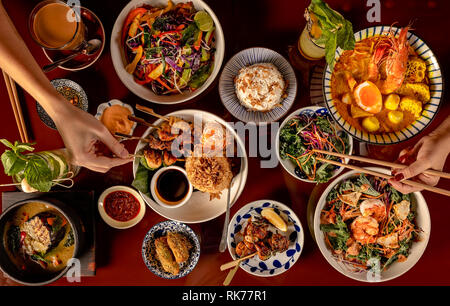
(161,229)
(247,57)
(157,197)
(116,223)
(70,90)
(279,262)
(290,165)
(102,107)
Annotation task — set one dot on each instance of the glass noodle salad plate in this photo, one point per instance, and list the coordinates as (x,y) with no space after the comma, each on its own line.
(302,131)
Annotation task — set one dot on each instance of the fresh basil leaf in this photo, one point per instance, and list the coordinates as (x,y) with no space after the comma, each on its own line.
(12,163)
(336,30)
(141,180)
(7,143)
(38,174)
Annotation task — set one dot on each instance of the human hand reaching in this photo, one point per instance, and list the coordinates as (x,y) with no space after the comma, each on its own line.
(81,132)
(429,153)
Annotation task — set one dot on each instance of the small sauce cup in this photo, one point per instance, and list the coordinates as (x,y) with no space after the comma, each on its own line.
(121,199)
(170,187)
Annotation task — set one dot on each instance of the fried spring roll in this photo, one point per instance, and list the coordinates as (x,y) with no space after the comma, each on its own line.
(179,245)
(165,256)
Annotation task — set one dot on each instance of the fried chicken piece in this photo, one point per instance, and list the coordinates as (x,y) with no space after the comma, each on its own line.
(165,256)
(278,243)
(158,144)
(179,245)
(264,252)
(244,249)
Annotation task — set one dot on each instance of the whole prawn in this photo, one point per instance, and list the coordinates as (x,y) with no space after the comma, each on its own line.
(394,53)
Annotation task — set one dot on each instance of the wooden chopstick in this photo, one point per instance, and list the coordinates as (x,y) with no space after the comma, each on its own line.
(150,111)
(381,163)
(374,173)
(236,262)
(17,109)
(142,121)
(230,275)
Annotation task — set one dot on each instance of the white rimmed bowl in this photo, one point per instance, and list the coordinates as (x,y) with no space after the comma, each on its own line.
(119,224)
(288,164)
(119,61)
(246,58)
(199,208)
(396,269)
(153,187)
(430,109)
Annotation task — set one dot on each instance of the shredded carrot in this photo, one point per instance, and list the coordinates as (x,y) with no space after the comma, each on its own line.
(163,83)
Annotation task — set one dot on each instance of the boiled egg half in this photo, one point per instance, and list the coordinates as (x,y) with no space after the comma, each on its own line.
(368,97)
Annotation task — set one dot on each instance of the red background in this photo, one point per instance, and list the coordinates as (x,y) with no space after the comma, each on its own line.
(275,24)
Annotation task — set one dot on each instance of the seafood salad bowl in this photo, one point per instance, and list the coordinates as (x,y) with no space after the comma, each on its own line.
(367,230)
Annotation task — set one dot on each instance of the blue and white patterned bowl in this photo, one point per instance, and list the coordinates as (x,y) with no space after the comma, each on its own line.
(288,164)
(59,84)
(280,262)
(161,229)
(430,109)
(249,57)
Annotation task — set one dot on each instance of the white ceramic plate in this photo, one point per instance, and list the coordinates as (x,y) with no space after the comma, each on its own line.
(119,61)
(288,164)
(280,262)
(397,268)
(199,208)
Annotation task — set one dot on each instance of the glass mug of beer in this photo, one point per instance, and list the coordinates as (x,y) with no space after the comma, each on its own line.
(54,25)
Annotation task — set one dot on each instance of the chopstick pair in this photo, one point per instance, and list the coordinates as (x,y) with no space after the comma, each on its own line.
(235,264)
(17,109)
(386,164)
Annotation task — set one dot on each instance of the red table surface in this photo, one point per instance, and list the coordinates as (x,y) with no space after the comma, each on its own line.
(275,24)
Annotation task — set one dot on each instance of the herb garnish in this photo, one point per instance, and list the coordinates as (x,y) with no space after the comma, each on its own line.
(336,30)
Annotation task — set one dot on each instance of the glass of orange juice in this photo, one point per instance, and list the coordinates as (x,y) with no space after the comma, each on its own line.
(56,26)
(308,46)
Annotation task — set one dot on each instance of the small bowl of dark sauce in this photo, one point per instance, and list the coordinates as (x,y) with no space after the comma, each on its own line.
(170,187)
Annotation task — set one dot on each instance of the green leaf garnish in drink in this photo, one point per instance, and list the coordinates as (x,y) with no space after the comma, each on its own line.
(38,172)
(336,30)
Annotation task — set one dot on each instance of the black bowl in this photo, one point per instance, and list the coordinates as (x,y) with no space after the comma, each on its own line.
(34,279)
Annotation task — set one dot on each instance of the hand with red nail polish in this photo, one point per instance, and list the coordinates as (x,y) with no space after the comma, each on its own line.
(430,152)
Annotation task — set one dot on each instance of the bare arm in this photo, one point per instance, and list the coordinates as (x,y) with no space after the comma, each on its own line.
(78,129)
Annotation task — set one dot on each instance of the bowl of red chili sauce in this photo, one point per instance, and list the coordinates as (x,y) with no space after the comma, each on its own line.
(121,207)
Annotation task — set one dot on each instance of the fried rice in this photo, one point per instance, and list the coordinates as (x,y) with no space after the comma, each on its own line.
(209,174)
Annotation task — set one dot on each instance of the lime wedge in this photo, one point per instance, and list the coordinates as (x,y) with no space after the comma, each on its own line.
(204,21)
